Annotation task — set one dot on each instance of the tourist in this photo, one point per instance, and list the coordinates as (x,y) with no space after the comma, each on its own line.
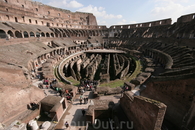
(127,88)
(80,101)
(66,124)
(46,81)
(60,92)
(66,91)
(81,98)
(83,111)
(84,100)
(87,87)
(82,91)
(50,85)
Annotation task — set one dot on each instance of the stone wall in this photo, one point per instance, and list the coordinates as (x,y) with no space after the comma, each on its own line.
(176,94)
(32,12)
(146,114)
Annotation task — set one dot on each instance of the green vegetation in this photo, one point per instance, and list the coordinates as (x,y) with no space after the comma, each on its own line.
(138,69)
(56,73)
(73,81)
(113,84)
(118,82)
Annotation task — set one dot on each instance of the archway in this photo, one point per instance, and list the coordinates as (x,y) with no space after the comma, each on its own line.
(37,34)
(18,34)
(25,34)
(32,34)
(10,33)
(42,34)
(2,34)
(47,35)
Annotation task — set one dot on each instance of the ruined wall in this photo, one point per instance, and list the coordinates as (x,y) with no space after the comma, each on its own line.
(32,12)
(59,113)
(14,88)
(146,114)
(186,18)
(177,94)
(146,24)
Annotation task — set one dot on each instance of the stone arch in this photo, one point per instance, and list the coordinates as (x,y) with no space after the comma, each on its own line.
(93,33)
(47,34)
(7,17)
(18,34)
(42,34)
(56,35)
(61,30)
(58,51)
(89,33)
(16,19)
(2,34)
(32,34)
(25,34)
(96,33)
(64,34)
(52,34)
(10,33)
(37,34)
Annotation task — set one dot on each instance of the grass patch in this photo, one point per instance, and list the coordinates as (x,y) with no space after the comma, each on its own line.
(120,82)
(113,84)
(73,81)
(137,70)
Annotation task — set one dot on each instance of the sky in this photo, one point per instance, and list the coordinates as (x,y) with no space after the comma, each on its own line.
(121,12)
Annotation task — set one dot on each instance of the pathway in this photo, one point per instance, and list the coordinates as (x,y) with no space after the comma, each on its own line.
(73,114)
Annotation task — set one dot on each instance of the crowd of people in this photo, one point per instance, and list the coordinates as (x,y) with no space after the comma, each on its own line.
(52,84)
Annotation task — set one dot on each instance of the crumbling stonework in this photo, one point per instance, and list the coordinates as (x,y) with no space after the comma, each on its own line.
(146,114)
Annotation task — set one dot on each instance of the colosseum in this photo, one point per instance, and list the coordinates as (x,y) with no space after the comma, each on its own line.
(56,65)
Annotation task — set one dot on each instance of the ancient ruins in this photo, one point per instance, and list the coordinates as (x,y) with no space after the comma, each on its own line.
(150,65)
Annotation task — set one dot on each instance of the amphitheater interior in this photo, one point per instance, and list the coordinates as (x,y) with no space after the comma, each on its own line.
(155,60)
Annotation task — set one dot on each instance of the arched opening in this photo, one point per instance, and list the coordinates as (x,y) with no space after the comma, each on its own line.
(16,19)
(25,34)
(56,34)
(7,17)
(18,34)
(23,18)
(64,35)
(52,34)
(2,34)
(47,35)
(37,34)
(10,33)
(32,34)
(42,34)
